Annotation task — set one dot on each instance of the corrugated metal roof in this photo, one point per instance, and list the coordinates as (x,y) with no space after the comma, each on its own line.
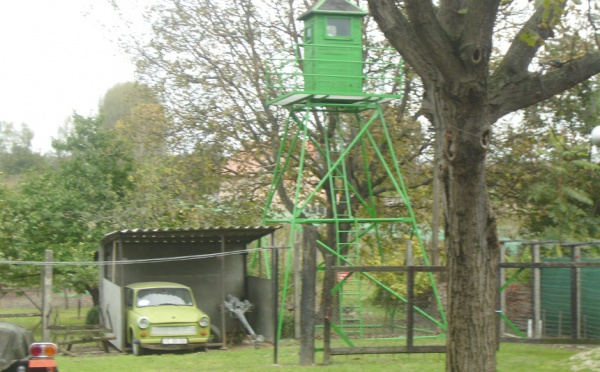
(232,234)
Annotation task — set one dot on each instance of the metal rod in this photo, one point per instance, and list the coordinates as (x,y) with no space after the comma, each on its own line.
(223,325)
(275,282)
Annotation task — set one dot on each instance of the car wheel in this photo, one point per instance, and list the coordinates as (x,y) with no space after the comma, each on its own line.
(136,348)
(215,334)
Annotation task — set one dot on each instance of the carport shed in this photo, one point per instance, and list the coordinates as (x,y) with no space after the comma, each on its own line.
(212,261)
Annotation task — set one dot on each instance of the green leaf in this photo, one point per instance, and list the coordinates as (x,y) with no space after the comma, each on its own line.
(578,195)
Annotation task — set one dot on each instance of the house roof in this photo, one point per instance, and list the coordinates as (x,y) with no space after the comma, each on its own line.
(232,234)
(333,7)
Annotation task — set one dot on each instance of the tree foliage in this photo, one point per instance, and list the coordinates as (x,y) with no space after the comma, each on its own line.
(208,62)
(106,177)
(119,102)
(543,171)
(67,209)
(16,155)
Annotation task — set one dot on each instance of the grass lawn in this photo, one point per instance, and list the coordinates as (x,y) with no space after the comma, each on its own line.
(511,358)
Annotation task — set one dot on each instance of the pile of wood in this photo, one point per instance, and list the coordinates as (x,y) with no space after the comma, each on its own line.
(67,336)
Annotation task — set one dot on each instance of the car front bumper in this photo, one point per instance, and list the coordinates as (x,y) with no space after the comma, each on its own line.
(156,343)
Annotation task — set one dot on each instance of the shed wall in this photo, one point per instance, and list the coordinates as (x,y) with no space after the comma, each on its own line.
(202,275)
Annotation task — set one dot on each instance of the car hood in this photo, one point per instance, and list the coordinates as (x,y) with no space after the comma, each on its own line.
(171,314)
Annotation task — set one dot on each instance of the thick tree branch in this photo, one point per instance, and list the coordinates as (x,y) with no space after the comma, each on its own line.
(400,34)
(433,39)
(478,29)
(536,88)
(526,43)
(449,13)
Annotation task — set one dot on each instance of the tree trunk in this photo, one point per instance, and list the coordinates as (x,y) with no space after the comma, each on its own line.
(95,293)
(471,236)
(309,281)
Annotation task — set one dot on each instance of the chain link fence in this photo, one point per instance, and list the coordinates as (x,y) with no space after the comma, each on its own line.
(549,292)
(383,309)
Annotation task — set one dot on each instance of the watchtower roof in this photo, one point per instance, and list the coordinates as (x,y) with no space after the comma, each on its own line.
(333,7)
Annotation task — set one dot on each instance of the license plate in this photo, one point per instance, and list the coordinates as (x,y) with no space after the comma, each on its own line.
(174,341)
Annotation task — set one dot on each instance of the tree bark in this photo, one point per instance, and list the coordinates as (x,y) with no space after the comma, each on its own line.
(449,46)
(471,237)
(95,293)
(309,281)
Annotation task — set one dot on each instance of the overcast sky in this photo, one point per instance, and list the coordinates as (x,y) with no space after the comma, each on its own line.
(56,57)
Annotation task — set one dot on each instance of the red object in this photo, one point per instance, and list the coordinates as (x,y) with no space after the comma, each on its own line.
(36,350)
(42,363)
(343,275)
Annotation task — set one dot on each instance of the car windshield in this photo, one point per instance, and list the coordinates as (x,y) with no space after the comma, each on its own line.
(164,296)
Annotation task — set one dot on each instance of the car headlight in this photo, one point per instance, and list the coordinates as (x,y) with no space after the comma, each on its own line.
(143,322)
(204,321)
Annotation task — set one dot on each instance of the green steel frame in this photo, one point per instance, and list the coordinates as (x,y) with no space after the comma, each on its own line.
(322,90)
(367,116)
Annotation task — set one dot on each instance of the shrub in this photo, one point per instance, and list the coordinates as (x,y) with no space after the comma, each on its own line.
(93,316)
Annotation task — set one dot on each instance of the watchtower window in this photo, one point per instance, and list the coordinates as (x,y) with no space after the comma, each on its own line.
(338,27)
(308,34)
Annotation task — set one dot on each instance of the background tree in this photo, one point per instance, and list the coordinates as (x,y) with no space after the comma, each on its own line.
(120,100)
(450,46)
(16,155)
(175,183)
(208,62)
(105,177)
(542,170)
(217,95)
(68,208)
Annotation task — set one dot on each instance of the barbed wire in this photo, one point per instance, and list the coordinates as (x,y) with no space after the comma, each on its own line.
(138,261)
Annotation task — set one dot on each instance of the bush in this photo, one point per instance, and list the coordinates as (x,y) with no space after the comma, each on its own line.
(287,328)
(93,316)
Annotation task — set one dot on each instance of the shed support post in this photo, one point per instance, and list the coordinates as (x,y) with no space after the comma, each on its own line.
(46,295)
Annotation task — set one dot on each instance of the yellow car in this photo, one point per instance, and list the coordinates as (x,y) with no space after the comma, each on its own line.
(164,316)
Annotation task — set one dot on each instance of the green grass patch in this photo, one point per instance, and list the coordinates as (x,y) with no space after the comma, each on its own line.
(71,316)
(511,358)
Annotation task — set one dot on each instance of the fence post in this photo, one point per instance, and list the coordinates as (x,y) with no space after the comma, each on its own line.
(575,295)
(410,318)
(222,284)
(502,294)
(46,295)
(275,289)
(410,283)
(537,293)
(297,293)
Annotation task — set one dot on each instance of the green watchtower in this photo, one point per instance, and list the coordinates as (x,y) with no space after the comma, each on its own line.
(334,88)
(333,48)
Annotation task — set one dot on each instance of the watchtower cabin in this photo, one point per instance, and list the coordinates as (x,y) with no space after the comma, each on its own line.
(331,66)
(333,48)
